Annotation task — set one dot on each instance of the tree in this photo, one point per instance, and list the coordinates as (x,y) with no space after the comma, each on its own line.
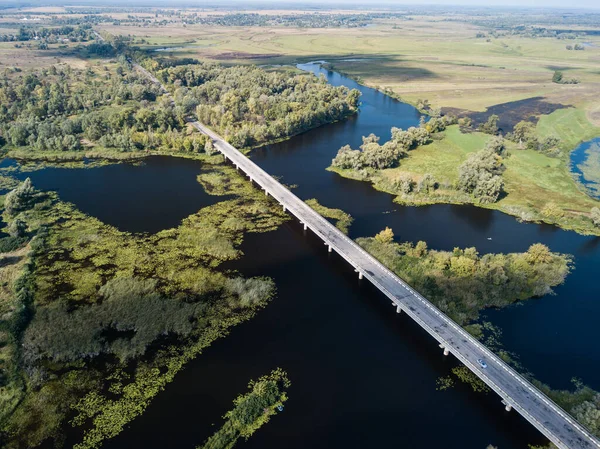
(481,174)
(209,148)
(385,236)
(20,198)
(497,145)
(596,216)
(17,228)
(557,77)
(491,126)
(538,253)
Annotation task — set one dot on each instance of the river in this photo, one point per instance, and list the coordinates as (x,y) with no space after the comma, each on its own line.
(361,375)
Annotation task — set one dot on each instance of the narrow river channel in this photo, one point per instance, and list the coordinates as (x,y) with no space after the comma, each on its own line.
(362,377)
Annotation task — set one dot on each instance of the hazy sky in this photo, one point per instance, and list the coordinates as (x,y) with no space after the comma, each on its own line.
(525,3)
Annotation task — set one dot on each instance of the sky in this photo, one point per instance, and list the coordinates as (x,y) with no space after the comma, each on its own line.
(523,3)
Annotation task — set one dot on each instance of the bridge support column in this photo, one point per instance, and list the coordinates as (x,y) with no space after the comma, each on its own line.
(507,406)
(329,248)
(266,193)
(305,227)
(398,309)
(360,275)
(284,209)
(446,350)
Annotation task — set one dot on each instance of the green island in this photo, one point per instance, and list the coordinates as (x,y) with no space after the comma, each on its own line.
(461,283)
(252,410)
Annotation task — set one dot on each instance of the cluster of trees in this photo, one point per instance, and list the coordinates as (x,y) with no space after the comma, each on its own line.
(462,282)
(250,106)
(56,109)
(559,78)
(578,47)
(373,155)
(525,136)
(51,35)
(481,174)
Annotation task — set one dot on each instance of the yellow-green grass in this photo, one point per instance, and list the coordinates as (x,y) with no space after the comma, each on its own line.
(570,125)
(440,61)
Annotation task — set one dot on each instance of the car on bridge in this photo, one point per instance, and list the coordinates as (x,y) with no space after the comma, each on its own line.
(482,363)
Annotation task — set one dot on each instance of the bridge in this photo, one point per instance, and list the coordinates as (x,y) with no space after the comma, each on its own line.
(516,392)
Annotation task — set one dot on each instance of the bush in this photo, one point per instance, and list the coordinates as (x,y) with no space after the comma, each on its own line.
(481,174)
(595,214)
(21,198)
(385,236)
(8,244)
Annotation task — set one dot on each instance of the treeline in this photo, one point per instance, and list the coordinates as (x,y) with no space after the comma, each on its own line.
(525,136)
(371,154)
(82,33)
(293,20)
(462,282)
(250,106)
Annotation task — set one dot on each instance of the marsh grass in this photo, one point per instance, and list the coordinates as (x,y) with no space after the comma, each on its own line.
(107,289)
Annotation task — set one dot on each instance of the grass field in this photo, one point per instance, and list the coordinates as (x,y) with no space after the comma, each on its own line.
(423,58)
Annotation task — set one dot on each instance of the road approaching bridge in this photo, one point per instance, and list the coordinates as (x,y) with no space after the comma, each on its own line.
(515,391)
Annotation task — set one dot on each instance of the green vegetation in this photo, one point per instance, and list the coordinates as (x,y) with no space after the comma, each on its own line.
(529,178)
(252,410)
(341,218)
(461,283)
(251,107)
(132,309)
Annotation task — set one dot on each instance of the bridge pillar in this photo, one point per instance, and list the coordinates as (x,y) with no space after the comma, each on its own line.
(266,193)
(305,227)
(446,350)
(329,248)
(360,275)
(398,309)
(507,406)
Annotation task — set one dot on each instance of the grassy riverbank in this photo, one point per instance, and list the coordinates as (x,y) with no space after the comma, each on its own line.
(132,309)
(537,187)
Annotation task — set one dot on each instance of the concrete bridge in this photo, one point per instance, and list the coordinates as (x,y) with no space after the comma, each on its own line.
(514,390)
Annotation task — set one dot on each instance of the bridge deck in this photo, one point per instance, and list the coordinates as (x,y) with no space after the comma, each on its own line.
(517,392)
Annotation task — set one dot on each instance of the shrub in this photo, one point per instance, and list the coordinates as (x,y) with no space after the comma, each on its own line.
(385,236)
(595,214)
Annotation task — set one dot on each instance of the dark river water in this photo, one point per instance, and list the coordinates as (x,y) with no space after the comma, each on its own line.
(362,376)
